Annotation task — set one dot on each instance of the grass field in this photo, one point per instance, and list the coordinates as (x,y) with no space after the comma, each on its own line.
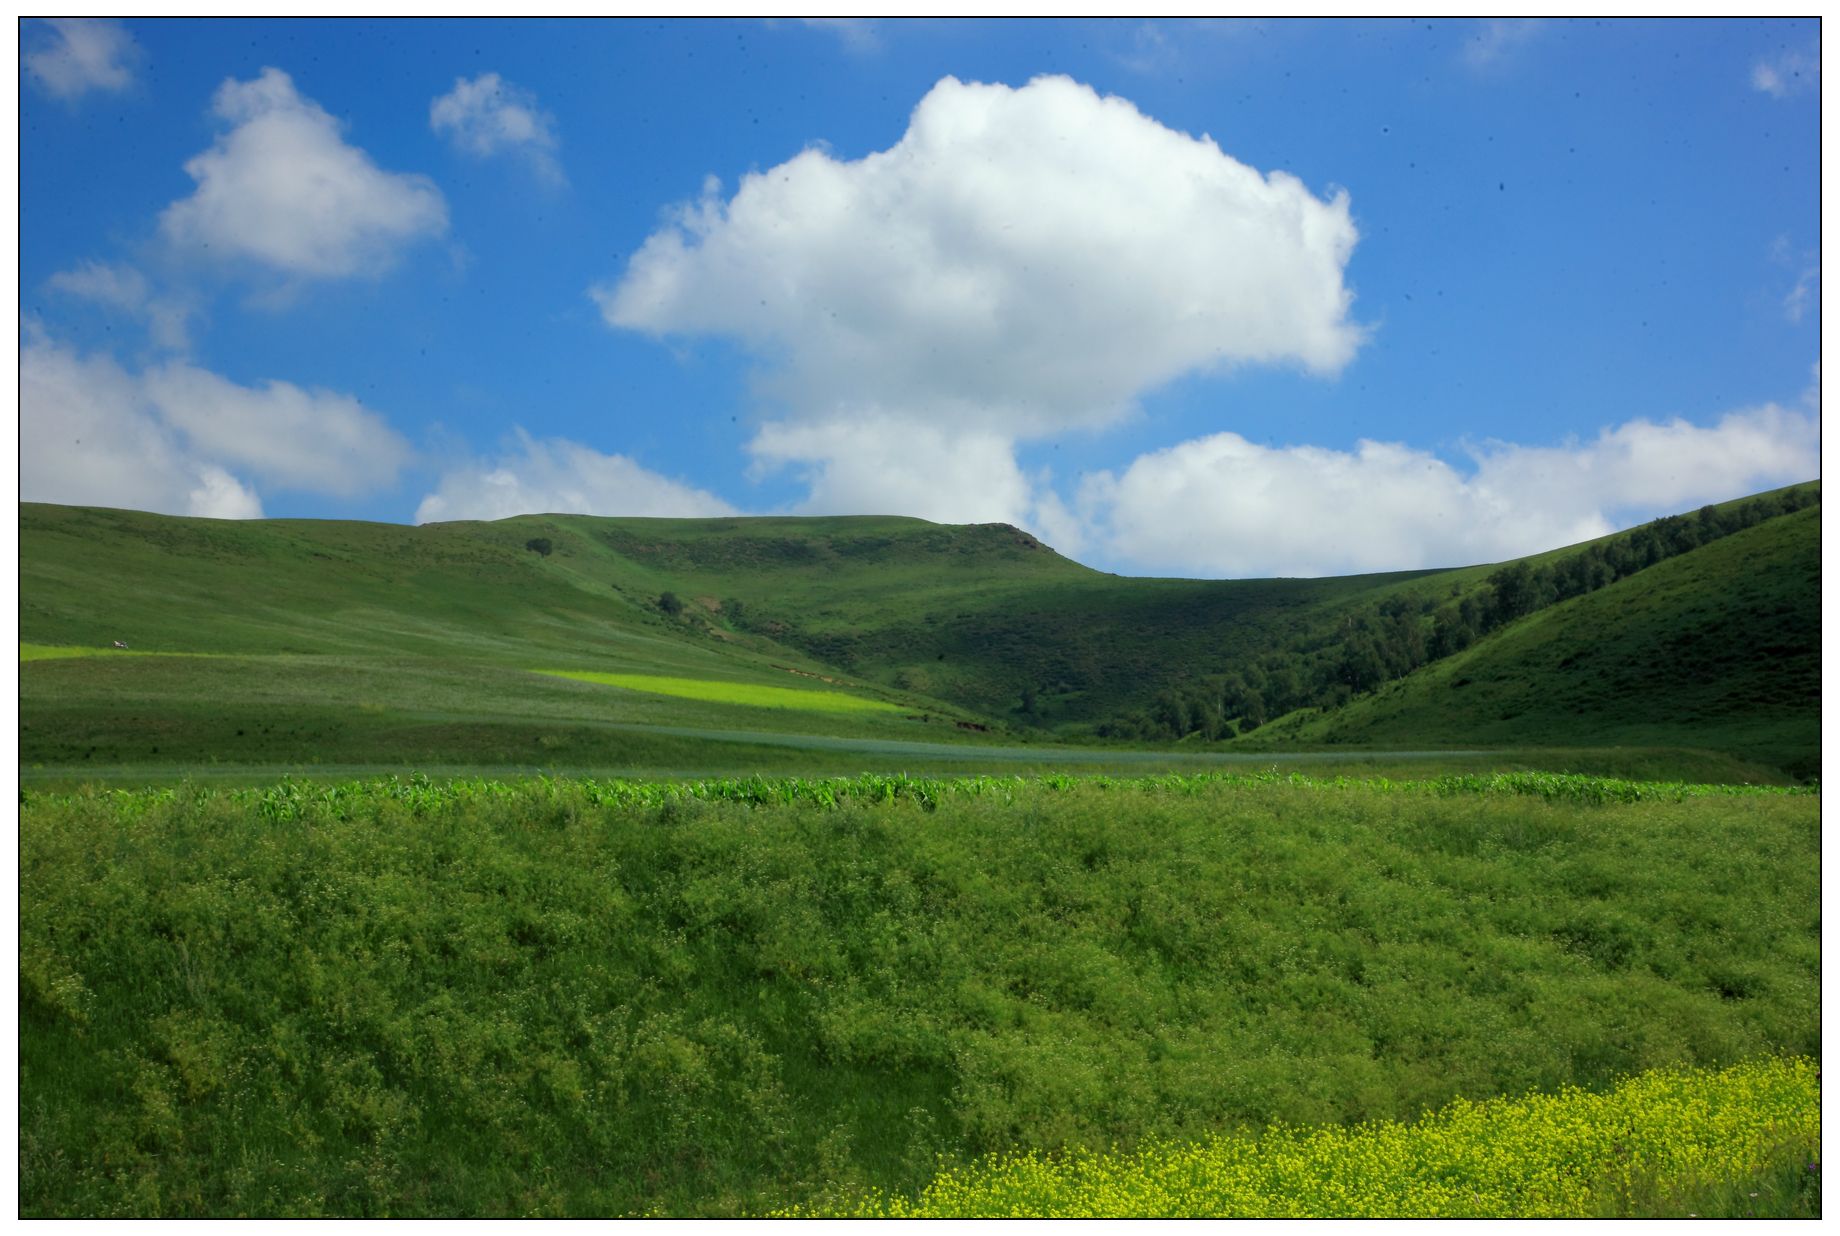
(565,996)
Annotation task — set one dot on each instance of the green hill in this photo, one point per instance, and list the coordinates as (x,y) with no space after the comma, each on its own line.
(1719,648)
(350,642)
(306,641)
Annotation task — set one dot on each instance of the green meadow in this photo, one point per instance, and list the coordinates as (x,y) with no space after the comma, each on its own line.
(564,866)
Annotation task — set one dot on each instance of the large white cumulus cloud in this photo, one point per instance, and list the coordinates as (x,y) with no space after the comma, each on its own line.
(1223,506)
(282,188)
(1021,261)
(563,477)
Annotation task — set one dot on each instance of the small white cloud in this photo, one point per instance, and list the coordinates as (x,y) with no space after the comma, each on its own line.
(1807,265)
(312,441)
(553,475)
(125,289)
(218,495)
(898,465)
(1151,49)
(75,55)
(283,189)
(1223,506)
(488,116)
(1497,40)
(1802,295)
(119,287)
(858,34)
(1792,72)
(175,438)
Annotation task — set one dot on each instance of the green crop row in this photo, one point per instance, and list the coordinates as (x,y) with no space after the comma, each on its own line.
(293,798)
(1647,1147)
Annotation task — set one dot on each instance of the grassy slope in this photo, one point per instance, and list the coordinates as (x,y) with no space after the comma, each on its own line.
(1718,647)
(968,614)
(359,643)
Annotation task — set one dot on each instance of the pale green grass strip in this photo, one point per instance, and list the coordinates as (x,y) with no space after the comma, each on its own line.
(1641,1148)
(58,652)
(53,652)
(731,692)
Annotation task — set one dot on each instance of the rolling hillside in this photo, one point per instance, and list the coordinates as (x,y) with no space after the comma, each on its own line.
(327,641)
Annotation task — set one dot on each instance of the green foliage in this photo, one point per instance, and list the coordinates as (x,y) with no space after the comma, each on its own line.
(669,604)
(539,545)
(562,996)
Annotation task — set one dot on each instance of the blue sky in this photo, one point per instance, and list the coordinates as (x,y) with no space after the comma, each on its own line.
(1212,299)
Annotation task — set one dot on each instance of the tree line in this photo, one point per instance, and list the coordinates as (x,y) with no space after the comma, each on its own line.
(1362,650)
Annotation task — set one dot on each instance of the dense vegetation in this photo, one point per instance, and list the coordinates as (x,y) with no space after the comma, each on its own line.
(568,997)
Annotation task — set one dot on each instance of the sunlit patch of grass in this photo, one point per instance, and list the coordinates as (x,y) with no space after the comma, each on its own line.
(731,692)
(53,652)
(58,652)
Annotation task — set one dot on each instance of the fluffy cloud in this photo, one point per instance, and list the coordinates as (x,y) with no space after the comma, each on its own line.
(79,54)
(1021,261)
(891,465)
(313,441)
(168,438)
(1222,506)
(488,116)
(125,289)
(87,437)
(1027,261)
(554,475)
(283,189)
